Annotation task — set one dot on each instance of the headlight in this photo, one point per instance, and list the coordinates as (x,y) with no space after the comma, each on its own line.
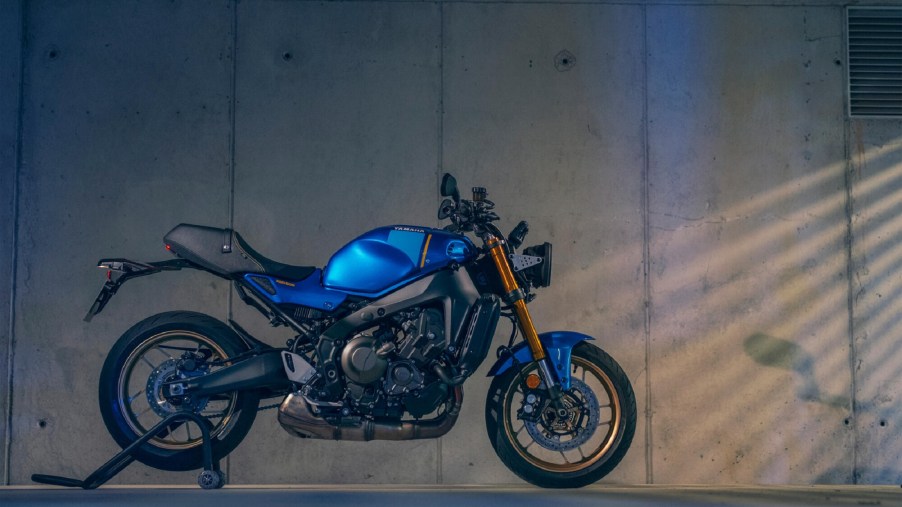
(540,274)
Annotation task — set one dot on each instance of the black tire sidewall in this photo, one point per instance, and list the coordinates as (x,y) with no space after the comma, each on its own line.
(156,457)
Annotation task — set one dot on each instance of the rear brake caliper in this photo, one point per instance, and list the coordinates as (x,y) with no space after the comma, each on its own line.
(165,392)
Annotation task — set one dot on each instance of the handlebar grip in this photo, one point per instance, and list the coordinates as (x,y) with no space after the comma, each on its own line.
(515,238)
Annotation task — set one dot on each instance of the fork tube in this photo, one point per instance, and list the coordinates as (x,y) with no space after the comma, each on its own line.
(516,294)
(517,297)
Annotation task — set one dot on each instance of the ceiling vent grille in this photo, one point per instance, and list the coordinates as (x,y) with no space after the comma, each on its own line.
(875,61)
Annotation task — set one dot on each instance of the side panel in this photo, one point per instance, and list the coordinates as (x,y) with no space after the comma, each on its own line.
(307,292)
(558,345)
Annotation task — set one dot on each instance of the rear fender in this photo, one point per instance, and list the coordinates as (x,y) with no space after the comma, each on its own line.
(121,270)
(558,346)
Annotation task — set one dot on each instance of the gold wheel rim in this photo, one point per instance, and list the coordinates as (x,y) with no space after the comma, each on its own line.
(576,459)
(145,417)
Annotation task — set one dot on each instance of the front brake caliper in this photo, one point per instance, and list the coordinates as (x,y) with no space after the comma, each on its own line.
(557,433)
(533,404)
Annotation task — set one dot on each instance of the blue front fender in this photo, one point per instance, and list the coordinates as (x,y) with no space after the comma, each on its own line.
(557,344)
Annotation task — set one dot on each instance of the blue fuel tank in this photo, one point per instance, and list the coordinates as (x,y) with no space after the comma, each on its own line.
(387,258)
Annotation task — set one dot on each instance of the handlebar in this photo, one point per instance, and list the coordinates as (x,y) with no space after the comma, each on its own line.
(474,215)
(477,216)
(468,216)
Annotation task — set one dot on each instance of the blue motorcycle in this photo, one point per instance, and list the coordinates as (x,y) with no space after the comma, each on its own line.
(384,337)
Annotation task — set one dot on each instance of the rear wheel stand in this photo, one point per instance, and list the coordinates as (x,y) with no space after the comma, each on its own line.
(210,478)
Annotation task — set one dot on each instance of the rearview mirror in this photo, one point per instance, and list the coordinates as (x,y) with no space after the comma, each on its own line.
(445,210)
(449,187)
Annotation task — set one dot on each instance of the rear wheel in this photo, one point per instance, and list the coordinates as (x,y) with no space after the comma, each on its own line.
(137,390)
(552,451)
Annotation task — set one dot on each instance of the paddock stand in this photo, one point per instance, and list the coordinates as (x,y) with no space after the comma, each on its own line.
(211,477)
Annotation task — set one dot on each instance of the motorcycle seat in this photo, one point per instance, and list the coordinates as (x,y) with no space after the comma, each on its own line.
(225,252)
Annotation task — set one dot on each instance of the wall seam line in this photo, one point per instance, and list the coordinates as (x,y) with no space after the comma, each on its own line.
(231,148)
(646,258)
(850,300)
(848,178)
(14,257)
(439,472)
(233,87)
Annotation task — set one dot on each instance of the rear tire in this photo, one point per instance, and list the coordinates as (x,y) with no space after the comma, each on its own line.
(133,398)
(552,453)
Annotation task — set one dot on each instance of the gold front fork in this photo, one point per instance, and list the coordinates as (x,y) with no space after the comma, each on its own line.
(518,296)
(513,291)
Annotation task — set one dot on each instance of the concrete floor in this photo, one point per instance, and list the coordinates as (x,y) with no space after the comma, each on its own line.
(454,496)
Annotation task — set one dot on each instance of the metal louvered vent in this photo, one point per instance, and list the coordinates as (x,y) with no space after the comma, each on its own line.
(875,61)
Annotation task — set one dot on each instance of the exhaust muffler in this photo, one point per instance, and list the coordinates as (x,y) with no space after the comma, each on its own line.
(298,416)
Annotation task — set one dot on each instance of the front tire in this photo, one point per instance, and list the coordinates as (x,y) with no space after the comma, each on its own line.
(134,396)
(553,452)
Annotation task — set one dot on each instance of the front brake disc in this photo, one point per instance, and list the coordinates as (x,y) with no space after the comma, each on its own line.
(564,434)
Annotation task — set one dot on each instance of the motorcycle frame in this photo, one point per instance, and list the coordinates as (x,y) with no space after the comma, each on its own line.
(452,288)
(260,368)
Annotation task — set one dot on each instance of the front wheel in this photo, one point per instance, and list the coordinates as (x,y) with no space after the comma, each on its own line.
(551,451)
(139,388)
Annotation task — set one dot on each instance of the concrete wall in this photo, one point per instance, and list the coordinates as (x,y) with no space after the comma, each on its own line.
(10,68)
(875,169)
(748,257)
(718,223)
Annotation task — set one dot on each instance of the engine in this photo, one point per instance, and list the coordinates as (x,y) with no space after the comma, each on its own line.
(404,365)
(388,368)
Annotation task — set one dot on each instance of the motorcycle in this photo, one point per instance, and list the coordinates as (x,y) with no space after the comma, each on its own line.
(384,337)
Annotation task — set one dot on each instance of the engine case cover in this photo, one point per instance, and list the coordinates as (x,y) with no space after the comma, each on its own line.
(360,362)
